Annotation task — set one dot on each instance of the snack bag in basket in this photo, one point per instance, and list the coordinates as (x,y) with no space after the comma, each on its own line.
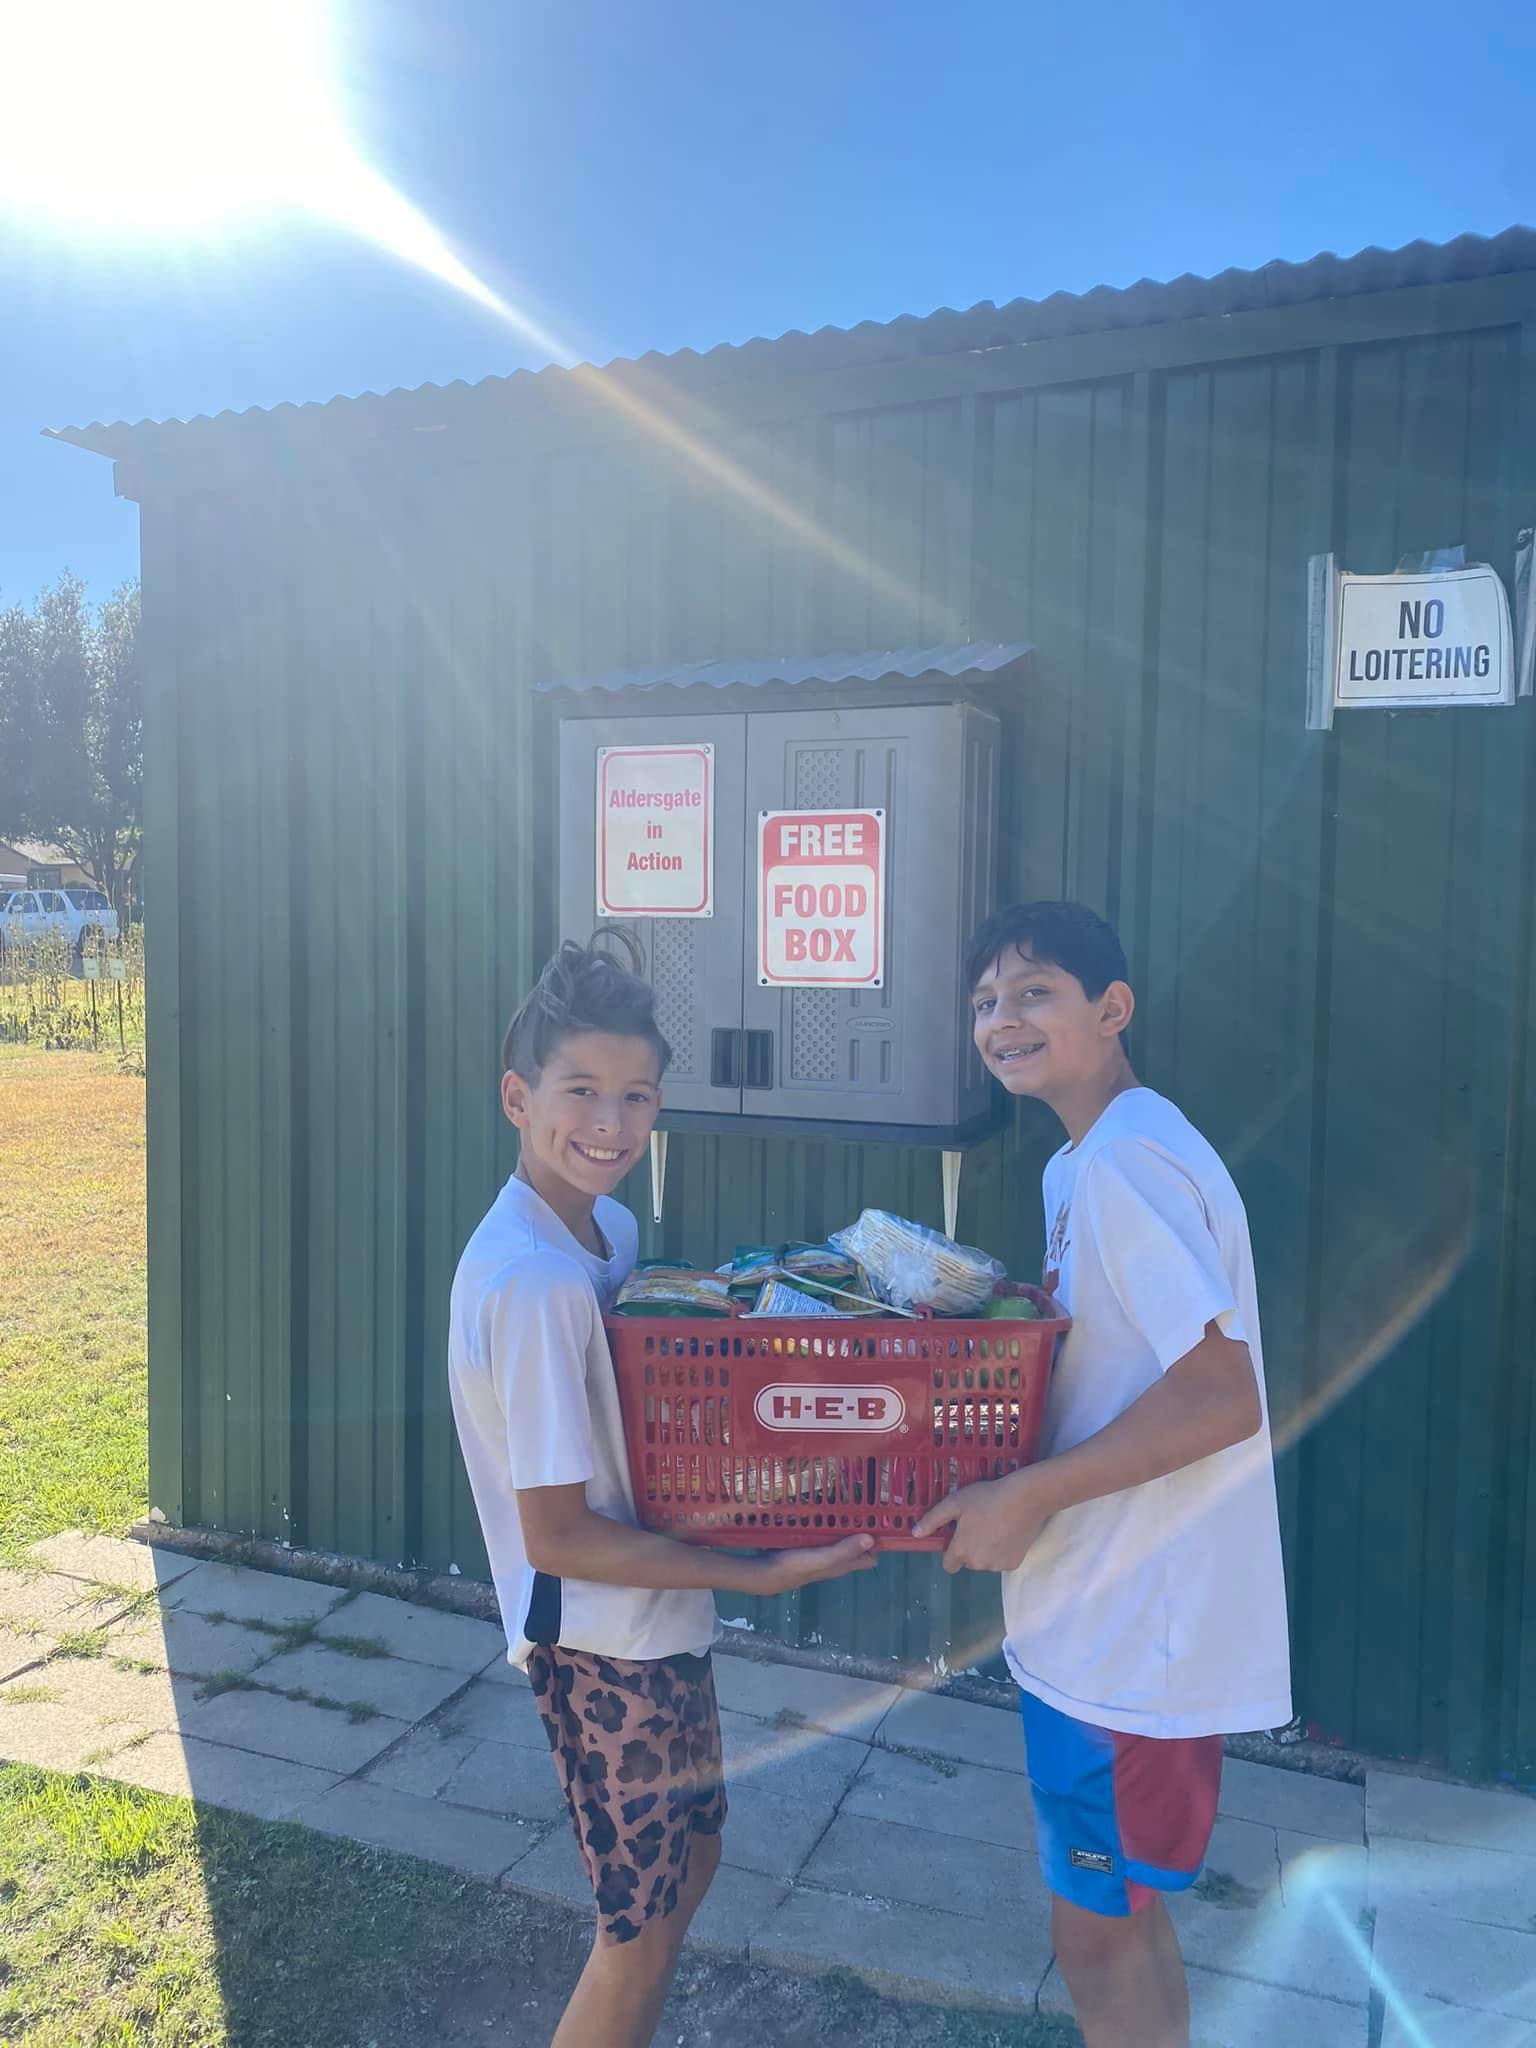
(658,1289)
(914,1267)
(746,1273)
(825,1263)
(780,1298)
(819,1271)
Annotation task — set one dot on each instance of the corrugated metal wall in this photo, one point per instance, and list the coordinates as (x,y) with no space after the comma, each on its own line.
(350,799)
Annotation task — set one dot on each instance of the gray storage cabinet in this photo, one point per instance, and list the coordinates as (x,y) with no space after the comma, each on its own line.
(896,1059)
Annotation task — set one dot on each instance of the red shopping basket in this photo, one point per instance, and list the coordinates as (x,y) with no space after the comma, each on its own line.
(776,1432)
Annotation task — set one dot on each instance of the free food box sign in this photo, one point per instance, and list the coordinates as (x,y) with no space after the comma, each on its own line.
(821,899)
(656,831)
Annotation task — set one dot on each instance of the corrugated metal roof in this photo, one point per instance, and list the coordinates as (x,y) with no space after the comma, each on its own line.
(977,657)
(983,326)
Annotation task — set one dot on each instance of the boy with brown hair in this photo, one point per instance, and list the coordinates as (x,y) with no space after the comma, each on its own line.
(612,1623)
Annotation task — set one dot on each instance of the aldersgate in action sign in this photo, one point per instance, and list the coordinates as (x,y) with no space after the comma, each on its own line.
(655,831)
(821,899)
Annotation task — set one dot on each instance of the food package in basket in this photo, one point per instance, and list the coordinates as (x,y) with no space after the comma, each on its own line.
(914,1267)
(657,1288)
(779,1298)
(793,1279)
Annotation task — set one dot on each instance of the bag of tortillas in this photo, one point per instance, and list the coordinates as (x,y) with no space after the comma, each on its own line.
(914,1267)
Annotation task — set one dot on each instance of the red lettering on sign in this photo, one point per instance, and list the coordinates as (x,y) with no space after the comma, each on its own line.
(821,911)
(792,839)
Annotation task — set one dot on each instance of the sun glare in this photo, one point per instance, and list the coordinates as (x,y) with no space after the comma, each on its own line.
(161,114)
(165,117)
(171,119)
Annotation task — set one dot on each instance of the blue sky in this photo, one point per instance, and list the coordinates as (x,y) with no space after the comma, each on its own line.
(660,173)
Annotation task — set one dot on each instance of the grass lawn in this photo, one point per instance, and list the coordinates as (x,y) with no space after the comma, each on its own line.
(146,1922)
(132,1920)
(72,1349)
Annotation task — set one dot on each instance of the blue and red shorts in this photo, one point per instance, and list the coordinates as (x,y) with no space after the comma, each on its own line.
(1118,1817)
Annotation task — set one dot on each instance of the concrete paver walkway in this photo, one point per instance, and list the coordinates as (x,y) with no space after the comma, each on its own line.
(881,1829)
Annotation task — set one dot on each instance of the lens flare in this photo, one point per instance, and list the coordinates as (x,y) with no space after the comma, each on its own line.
(172,118)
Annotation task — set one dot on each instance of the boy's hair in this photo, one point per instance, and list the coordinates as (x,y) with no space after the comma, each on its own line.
(580,990)
(1065,935)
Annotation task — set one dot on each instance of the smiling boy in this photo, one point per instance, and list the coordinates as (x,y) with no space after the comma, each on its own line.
(1143,1593)
(612,1623)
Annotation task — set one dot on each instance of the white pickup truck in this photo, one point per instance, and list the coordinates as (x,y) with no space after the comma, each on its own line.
(76,913)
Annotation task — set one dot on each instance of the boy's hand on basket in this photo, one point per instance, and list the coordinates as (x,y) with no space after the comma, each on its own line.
(992,1523)
(784,1571)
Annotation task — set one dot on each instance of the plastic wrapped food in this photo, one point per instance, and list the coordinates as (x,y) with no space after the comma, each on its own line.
(819,1270)
(745,1274)
(656,1289)
(779,1298)
(914,1267)
(823,1262)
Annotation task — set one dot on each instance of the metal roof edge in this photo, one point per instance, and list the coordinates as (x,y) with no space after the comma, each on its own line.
(980,327)
(911,664)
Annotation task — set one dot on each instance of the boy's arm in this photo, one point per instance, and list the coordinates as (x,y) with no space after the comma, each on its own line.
(566,1538)
(1141,1218)
(1205,1402)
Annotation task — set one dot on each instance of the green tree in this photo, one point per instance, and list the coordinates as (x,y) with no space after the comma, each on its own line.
(72,729)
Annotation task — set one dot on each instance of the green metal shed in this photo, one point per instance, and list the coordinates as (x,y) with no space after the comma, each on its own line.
(349,804)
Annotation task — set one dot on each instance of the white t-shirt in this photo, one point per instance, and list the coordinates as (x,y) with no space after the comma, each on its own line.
(536,1404)
(1159,1610)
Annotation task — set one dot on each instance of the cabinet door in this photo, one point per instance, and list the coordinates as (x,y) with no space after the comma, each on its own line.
(694,963)
(877,1055)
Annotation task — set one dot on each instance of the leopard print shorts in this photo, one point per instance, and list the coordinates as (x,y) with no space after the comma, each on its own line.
(637,1749)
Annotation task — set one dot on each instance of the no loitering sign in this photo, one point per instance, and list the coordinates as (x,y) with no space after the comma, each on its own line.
(1414,640)
(655,831)
(1411,640)
(821,899)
